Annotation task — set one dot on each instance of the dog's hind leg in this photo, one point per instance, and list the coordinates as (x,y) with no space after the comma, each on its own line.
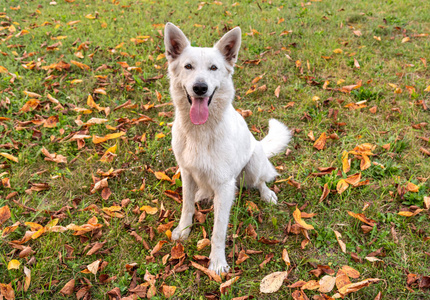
(258,171)
(189,191)
(223,200)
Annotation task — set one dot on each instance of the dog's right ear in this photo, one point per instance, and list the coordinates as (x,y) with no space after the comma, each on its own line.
(175,41)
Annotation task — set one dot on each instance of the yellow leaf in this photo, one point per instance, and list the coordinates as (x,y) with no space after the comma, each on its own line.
(110,136)
(297,215)
(159,135)
(338,51)
(4,70)
(162,176)
(149,209)
(341,186)
(90,16)
(13,264)
(345,162)
(9,156)
(405,40)
(427,89)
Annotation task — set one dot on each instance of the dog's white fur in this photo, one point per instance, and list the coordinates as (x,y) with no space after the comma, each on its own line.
(213,156)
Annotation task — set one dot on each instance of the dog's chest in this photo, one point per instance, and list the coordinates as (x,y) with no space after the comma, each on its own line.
(211,154)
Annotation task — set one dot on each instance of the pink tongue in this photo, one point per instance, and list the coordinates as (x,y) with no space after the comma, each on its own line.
(199,111)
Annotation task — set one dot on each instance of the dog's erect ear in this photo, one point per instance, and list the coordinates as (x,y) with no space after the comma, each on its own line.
(229,45)
(175,41)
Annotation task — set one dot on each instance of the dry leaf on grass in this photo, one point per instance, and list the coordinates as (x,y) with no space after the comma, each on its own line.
(272,282)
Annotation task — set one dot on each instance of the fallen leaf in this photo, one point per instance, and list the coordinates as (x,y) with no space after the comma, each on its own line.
(341,243)
(202,244)
(341,186)
(67,290)
(272,282)
(9,156)
(325,193)
(297,215)
(94,266)
(27,281)
(168,291)
(285,257)
(351,272)
(299,295)
(225,286)
(326,284)
(320,142)
(13,264)
(149,209)
(362,218)
(353,287)
(412,187)
(4,214)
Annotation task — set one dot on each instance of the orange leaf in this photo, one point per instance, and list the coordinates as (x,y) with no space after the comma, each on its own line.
(162,176)
(320,142)
(297,215)
(362,218)
(412,187)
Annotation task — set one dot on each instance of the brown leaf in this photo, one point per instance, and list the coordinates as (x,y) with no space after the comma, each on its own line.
(177,252)
(299,295)
(97,246)
(325,193)
(211,274)
(4,214)
(353,287)
(225,286)
(158,247)
(168,291)
(7,291)
(242,257)
(67,290)
(362,218)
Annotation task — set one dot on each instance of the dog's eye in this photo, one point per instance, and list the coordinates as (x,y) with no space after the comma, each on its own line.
(213,68)
(188,66)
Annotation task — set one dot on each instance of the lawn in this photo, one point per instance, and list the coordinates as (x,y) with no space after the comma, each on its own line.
(89,189)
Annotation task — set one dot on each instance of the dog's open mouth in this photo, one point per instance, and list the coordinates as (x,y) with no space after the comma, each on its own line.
(199,111)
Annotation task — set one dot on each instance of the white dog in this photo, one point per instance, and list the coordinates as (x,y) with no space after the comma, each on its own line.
(211,141)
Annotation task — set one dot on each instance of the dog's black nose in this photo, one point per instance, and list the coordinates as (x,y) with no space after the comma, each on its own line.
(200,88)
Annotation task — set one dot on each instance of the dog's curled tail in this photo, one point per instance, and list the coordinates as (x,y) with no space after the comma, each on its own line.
(277,139)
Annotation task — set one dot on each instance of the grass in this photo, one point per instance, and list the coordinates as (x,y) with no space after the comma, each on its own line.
(108,34)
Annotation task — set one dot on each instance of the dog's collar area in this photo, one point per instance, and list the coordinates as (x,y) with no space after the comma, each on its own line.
(191,102)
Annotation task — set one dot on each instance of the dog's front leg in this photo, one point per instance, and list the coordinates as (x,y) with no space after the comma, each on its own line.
(223,201)
(189,188)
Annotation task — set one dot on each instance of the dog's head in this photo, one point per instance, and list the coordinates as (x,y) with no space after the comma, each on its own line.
(200,73)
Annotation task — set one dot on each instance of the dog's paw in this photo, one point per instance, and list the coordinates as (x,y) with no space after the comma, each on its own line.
(219,266)
(180,234)
(270,197)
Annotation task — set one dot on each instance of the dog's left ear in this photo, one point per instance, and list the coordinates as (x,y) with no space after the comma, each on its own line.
(229,45)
